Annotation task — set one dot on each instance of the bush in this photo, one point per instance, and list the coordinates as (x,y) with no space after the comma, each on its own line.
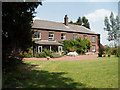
(56,55)
(44,54)
(27,55)
(40,55)
(118,53)
(78,45)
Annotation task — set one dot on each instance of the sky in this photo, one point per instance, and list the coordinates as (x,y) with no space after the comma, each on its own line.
(93,10)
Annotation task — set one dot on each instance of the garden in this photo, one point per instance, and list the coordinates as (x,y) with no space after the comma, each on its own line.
(79,45)
(100,73)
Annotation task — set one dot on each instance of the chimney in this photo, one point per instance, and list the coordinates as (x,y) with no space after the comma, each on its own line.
(66,20)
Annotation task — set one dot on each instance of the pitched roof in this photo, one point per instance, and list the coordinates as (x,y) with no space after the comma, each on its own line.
(46,42)
(44,24)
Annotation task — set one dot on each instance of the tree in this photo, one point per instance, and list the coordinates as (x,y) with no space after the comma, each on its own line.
(16,27)
(79,21)
(112,25)
(71,22)
(85,22)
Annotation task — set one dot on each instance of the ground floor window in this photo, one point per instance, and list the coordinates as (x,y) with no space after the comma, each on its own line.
(39,48)
(59,48)
(93,48)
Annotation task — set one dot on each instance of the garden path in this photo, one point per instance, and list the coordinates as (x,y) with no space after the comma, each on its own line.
(67,58)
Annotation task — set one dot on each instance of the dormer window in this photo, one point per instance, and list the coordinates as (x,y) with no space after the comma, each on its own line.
(37,35)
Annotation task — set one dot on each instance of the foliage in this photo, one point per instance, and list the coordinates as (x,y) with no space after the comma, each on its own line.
(112,25)
(79,45)
(85,22)
(101,50)
(110,51)
(81,21)
(56,55)
(118,52)
(45,53)
(16,27)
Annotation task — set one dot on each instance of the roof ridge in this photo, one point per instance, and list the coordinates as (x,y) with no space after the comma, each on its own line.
(48,21)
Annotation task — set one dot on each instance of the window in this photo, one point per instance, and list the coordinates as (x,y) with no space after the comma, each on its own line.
(93,39)
(74,37)
(39,48)
(37,35)
(51,36)
(63,36)
(93,48)
(85,36)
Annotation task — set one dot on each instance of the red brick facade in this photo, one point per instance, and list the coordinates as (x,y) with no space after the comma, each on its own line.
(69,36)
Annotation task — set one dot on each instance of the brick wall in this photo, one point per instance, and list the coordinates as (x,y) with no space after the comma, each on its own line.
(69,36)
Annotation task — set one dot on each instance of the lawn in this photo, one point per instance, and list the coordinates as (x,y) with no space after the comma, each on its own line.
(100,73)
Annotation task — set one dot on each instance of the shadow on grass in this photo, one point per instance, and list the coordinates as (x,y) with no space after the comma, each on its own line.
(25,78)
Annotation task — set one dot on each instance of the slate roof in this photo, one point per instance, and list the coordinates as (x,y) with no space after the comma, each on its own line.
(46,42)
(44,24)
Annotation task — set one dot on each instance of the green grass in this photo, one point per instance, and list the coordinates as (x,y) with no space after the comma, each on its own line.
(100,73)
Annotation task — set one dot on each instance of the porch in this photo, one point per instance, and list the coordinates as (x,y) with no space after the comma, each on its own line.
(50,45)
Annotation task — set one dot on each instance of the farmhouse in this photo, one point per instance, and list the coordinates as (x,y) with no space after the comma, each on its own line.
(48,34)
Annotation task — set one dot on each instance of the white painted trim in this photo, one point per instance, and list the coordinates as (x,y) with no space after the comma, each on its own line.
(50,47)
(51,37)
(39,49)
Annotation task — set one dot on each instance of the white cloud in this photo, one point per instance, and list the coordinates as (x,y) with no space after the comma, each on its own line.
(36,18)
(98,15)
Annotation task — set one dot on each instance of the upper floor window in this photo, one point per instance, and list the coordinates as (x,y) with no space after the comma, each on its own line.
(63,36)
(93,39)
(75,36)
(85,37)
(37,35)
(51,36)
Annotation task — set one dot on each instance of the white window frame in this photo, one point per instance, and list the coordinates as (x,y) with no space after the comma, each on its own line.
(39,49)
(93,39)
(51,38)
(93,48)
(39,35)
(63,37)
(59,48)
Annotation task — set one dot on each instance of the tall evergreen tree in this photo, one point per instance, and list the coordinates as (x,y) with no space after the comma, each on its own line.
(16,26)
(85,22)
(79,21)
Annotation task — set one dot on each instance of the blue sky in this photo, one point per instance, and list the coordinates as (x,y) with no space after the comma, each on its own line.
(94,11)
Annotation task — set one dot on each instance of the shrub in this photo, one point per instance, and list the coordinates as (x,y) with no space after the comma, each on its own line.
(44,54)
(56,55)
(27,55)
(40,55)
(118,53)
(78,45)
